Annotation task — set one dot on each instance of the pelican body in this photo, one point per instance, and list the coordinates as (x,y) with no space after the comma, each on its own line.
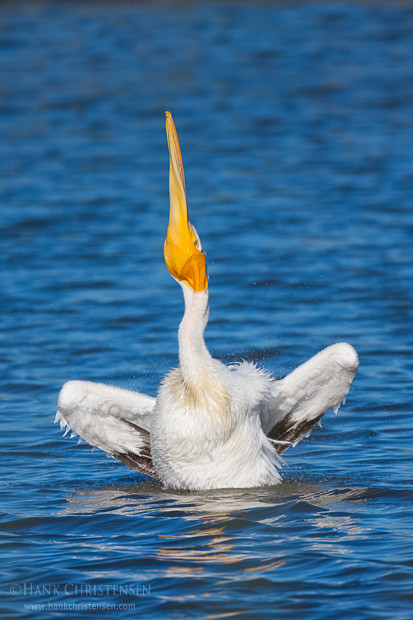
(210,425)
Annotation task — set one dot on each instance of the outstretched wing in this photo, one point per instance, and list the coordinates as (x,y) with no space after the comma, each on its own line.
(299,401)
(115,420)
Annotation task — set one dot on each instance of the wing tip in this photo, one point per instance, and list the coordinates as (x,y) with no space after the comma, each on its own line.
(346,355)
(67,393)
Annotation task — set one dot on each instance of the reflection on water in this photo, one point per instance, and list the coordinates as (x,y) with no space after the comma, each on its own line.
(221,516)
(220,504)
(218,528)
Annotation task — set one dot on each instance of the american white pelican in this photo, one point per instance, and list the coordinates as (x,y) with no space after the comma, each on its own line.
(210,425)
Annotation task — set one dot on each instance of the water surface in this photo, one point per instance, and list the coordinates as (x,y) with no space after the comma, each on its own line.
(296,127)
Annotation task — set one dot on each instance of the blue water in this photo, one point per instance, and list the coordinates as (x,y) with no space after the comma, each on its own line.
(296,127)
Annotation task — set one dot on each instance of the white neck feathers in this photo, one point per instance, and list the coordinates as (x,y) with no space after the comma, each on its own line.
(193,353)
(198,374)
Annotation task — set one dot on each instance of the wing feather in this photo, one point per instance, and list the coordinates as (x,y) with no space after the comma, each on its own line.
(300,400)
(114,420)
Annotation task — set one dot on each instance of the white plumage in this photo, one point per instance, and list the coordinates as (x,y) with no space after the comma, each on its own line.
(211,425)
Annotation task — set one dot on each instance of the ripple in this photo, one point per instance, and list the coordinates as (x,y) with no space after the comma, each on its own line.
(295,123)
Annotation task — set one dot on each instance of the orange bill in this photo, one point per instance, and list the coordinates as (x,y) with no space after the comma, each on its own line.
(182,250)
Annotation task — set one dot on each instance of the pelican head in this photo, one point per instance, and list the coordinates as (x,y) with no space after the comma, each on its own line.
(182,250)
